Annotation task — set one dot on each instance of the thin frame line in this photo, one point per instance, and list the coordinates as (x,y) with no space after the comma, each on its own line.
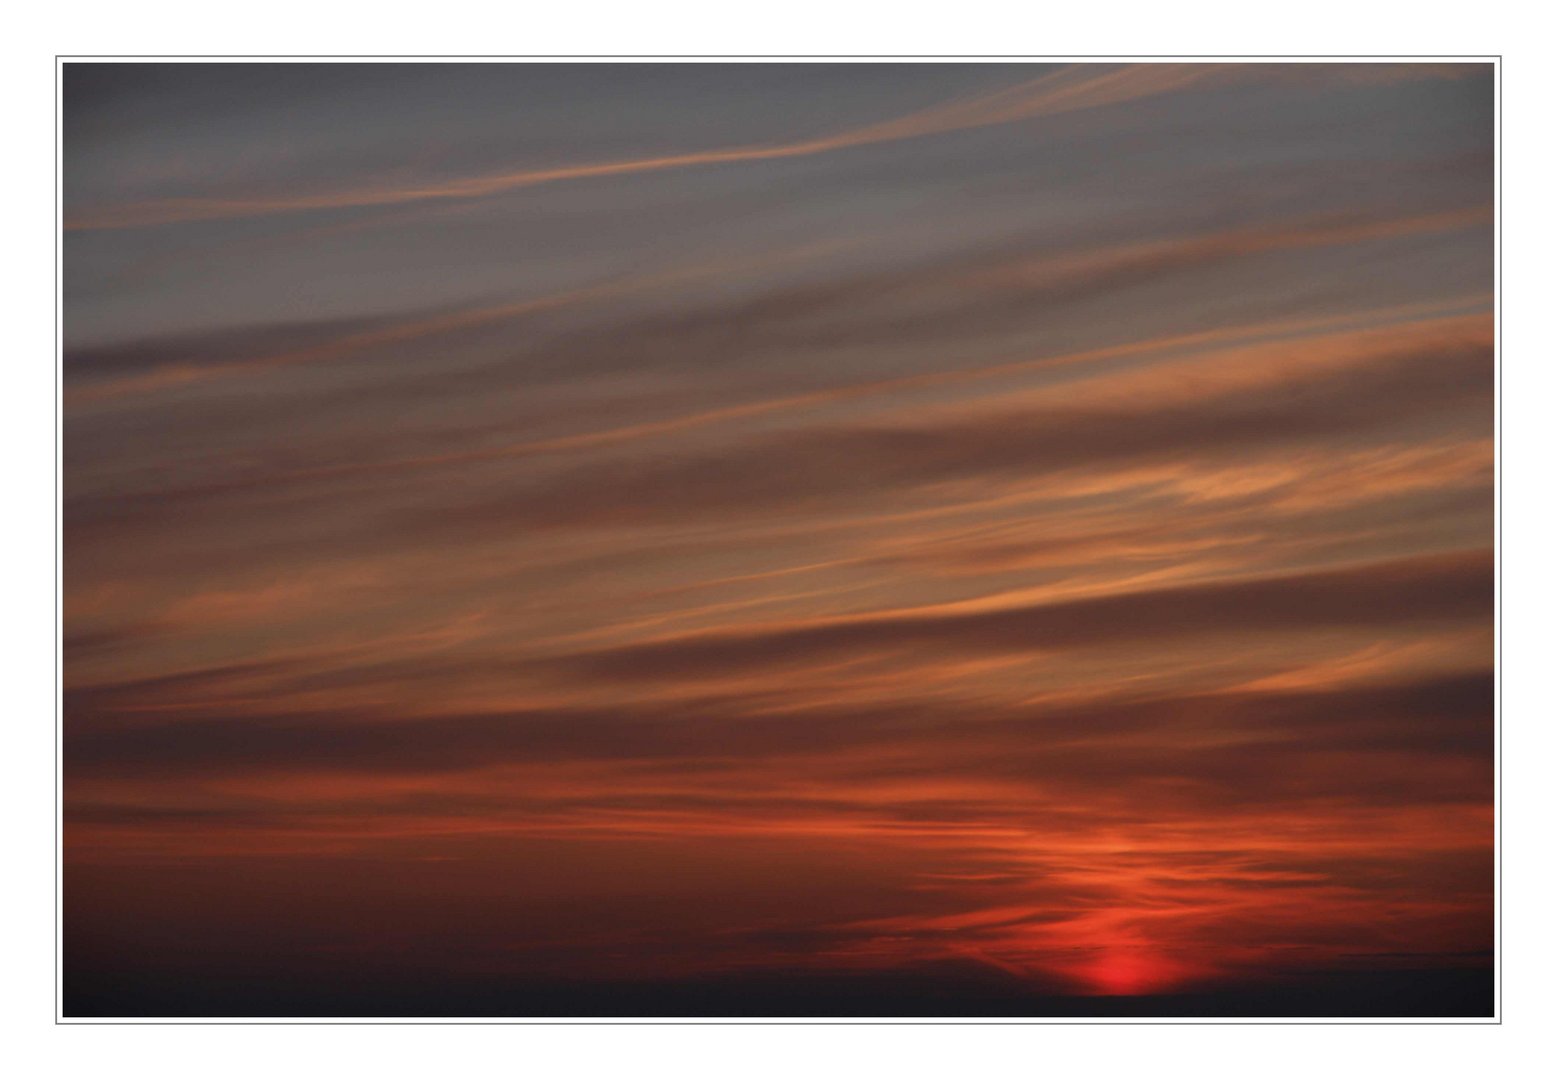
(60,1020)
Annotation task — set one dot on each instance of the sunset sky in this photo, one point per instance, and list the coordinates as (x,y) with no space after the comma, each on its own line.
(778,539)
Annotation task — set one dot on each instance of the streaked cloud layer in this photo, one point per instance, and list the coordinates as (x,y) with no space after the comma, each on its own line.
(944,538)
(1067,89)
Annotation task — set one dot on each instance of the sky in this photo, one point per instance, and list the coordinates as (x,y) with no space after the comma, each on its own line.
(778,539)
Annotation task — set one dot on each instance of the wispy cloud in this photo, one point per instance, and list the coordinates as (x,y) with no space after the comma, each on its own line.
(1070,89)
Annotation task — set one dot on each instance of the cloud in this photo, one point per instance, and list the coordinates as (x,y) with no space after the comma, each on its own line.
(899,766)
(983,292)
(1427,589)
(1069,89)
(1234,408)
(1073,88)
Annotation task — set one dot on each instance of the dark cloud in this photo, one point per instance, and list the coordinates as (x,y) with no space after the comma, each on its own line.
(117,731)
